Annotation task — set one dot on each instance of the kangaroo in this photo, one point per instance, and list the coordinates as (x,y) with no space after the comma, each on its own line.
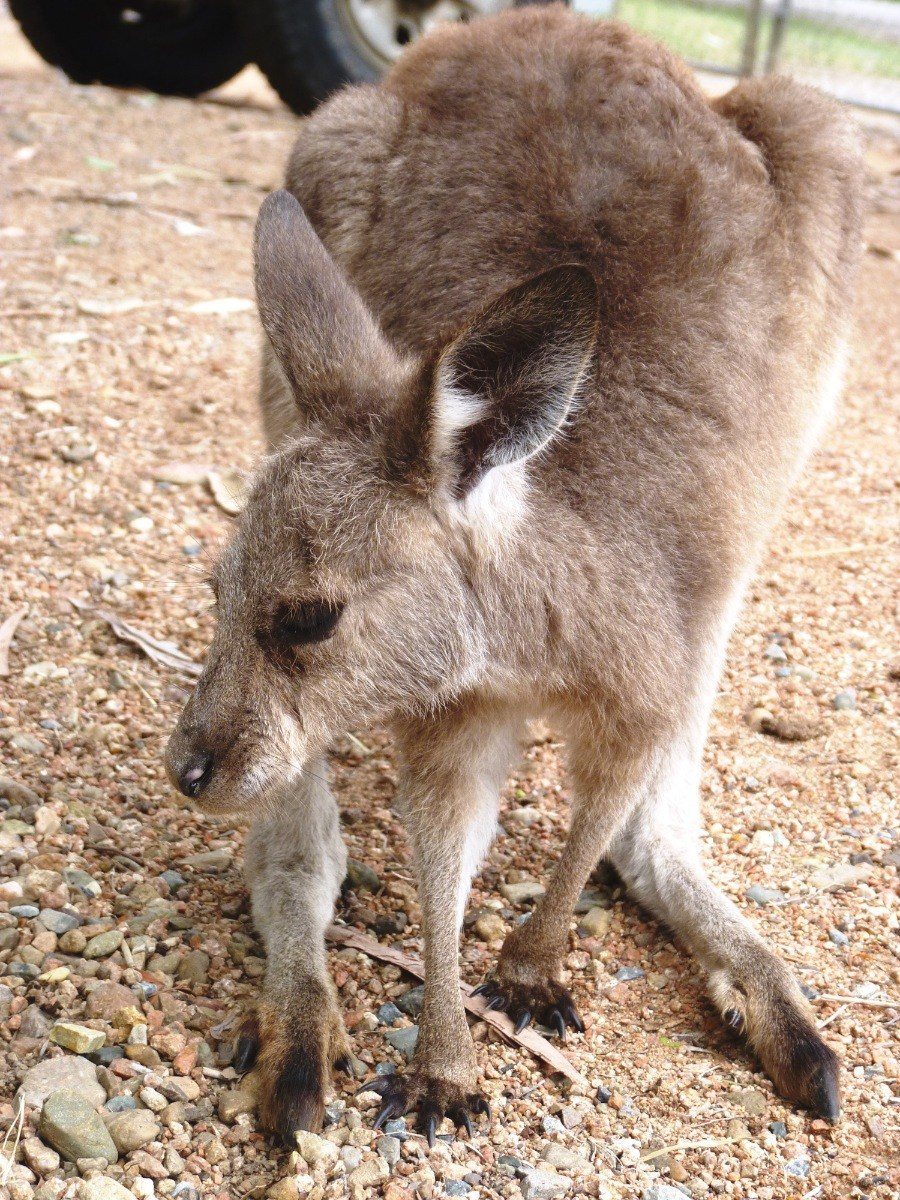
(547,337)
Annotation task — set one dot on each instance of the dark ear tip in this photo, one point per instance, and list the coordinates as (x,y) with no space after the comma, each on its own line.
(280,214)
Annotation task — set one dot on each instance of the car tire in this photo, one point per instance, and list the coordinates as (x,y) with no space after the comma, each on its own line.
(179,51)
(309,48)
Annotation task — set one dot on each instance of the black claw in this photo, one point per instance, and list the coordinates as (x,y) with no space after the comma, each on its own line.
(571,1017)
(523,1019)
(430,1128)
(557,1022)
(826,1096)
(480,1106)
(344,1064)
(245,1053)
(466,1122)
(496,1002)
(391,1108)
(734,1019)
(482,989)
(379,1085)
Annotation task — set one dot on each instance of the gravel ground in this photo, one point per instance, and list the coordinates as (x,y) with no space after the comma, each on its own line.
(126,365)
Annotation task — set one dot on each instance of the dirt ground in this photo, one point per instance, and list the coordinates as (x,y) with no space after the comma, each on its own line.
(127,358)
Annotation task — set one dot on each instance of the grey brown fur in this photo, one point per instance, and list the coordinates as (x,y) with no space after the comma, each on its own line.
(544,356)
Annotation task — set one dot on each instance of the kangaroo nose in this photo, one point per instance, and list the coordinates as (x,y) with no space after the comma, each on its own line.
(196,774)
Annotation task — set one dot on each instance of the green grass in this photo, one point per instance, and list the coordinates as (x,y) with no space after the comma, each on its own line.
(717,36)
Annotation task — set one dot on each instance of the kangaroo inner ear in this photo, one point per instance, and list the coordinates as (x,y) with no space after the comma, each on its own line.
(329,346)
(506,385)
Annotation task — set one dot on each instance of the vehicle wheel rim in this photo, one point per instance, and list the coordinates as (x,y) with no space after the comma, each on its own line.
(381,29)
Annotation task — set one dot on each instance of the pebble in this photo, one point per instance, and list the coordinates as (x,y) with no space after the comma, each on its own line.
(107,999)
(840,875)
(595,923)
(751,1101)
(362,878)
(626,974)
(662,1191)
(404,1040)
(77,1038)
(68,1073)
(844,701)
(101,1187)
(456,1187)
(234,1102)
(839,938)
(389,1149)
(389,1014)
(34,1022)
(101,945)
(194,967)
(763,895)
(72,1127)
(58,922)
(40,1158)
(210,860)
(369,1173)
(131,1130)
(538,1185)
(522,893)
(411,1002)
(490,927)
(314,1149)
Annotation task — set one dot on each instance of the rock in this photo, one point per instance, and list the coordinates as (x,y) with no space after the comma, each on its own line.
(595,923)
(763,895)
(751,1101)
(34,1023)
(778,1129)
(840,875)
(774,653)
(234,1102)
(101,945)
(456,1187)
(68,1073)
(565,1159)
(411,1002)
(389,1149)
(77,1038)
(627,974)
(72,1127)
(41,1159)
(538,1185)
(522,893)
(210,860)
(788,728)
(101,1187)
(131,1130)
(839,938)
(404,1040)
(194,967)
(17,793)
(107,999)
(490,927)
(388,1014)
(369,1173)
(361,878)
(284,1189)
(662,1191)
(314,1149)
(58,922)
(844,701)
(73,942)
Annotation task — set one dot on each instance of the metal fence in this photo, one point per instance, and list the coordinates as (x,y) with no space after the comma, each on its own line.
(850,48)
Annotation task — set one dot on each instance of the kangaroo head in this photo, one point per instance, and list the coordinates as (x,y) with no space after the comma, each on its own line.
(345,595)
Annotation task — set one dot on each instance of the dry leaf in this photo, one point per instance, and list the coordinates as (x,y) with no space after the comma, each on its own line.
(229,490)
(7,633)
(476,1005)
(222,307)
(166,654)
(108,308)
(181,473)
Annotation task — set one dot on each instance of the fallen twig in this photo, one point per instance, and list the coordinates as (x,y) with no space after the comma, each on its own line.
(528,1038)
(7,633)
(703,1144)
(164,653)
(858,1000)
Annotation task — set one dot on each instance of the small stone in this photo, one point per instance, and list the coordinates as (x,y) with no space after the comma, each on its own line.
(388,1014)
(595,923)
(68,1073)
(840,875)
(123,1103)
(844,701)
(34,1022)
(77,1038)
(404,1040)
(778,1129)
(564,1159)
(101,945)
(153,1099)
(58,922)
(78,452)
(522,893)
(490,927)
(790,728)
(73,942)
(361,878)
(101,1187)
(234,1102)
(763,895)
(798,1167)
(839,938)
(627,974)
(314,1149)
(411,1002)
(131,1130)
(41,1159)
(541,1185)
(389,1149)
(369,1173)
(284,1189)
(662,1191)
(456,1187)
(194,967)
(107,999)
(73,1128)
(210,860)
(751,1101)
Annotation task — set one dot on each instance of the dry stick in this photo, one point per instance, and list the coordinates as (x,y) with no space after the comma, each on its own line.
(704,1144)
(7,633)
(160,652)
(834,551)
(476,1005)
(859,1000)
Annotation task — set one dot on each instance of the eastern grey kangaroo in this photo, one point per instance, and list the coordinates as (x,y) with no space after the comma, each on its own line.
(548,336)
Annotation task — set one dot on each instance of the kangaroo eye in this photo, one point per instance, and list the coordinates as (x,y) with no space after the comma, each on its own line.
(312,621)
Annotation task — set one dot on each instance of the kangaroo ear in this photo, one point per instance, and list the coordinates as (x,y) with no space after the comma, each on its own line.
(332,352)
(505,386)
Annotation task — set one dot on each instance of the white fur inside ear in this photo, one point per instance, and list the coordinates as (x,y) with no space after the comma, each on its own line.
(495,508)
(454,411)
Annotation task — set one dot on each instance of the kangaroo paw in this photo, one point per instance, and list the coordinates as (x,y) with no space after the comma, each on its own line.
(293,1054)
(433,1099)
(548,1003)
